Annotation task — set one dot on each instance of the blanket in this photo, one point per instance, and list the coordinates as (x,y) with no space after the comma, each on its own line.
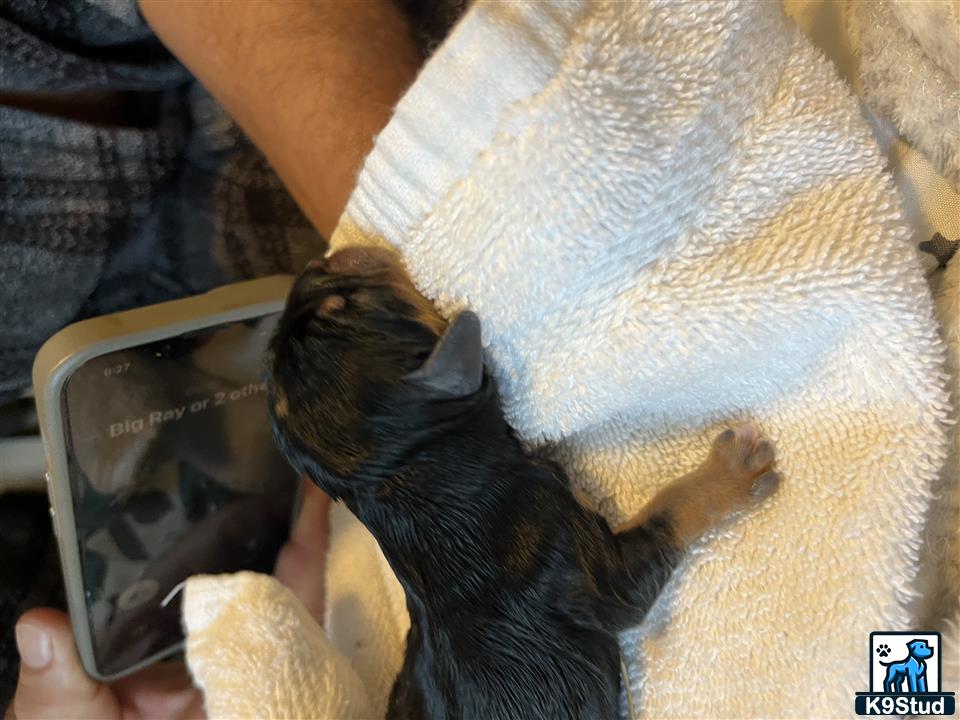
(669,217)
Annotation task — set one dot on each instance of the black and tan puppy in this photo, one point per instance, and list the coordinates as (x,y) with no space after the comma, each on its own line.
(515,590)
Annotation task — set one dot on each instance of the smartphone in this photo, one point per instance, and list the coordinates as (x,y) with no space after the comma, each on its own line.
(161,463)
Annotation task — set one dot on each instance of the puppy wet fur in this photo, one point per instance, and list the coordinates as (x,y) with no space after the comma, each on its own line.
(515,590)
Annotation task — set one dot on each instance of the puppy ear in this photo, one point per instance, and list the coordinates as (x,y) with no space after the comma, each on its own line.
(455,367)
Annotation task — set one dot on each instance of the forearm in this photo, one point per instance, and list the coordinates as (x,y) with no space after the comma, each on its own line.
(311,83)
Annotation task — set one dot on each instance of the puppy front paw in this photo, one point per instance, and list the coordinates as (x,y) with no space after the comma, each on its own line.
(736,475)
(740,466)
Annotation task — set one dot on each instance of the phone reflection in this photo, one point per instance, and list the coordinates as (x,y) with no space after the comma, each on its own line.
(173,472)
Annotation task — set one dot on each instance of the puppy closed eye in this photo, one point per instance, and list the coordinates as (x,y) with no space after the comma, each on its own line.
(331,304)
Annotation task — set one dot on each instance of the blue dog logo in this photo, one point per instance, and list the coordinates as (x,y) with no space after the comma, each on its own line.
(912,670)
(909,685)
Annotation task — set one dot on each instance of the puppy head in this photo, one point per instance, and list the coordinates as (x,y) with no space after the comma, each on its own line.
(363,368)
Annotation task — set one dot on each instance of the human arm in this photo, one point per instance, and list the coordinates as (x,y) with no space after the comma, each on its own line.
(311,83)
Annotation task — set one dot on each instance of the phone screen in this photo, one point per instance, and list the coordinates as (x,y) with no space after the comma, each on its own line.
(173,472)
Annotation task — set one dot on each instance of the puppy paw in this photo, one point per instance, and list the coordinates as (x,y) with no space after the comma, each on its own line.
(740,466)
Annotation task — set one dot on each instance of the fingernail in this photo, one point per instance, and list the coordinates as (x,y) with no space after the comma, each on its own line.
(34,646)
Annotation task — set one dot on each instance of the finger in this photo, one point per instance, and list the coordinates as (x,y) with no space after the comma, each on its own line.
(164,690)
(300,565)
(52,682)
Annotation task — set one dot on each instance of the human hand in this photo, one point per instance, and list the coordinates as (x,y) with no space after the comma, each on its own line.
(52,681)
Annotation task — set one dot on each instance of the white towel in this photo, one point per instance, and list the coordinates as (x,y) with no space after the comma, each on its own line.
(670,217)
(258,654)
(891,51)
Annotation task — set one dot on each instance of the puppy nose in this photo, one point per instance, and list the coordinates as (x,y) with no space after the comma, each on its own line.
(361,259)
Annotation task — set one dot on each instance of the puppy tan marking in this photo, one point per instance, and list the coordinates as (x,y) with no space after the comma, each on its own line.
(387,263)
(332,304)
(280,406)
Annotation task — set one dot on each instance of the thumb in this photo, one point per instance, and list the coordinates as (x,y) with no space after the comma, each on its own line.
(53,683)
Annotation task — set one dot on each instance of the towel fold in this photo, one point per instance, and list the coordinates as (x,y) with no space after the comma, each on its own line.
(260,654)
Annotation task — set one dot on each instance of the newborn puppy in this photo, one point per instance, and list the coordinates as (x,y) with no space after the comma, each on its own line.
(515,590)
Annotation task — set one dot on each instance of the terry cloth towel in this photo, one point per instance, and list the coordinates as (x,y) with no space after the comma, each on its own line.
(908,55)
(920,31)
(671,217)
(908,70)
(285,659)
